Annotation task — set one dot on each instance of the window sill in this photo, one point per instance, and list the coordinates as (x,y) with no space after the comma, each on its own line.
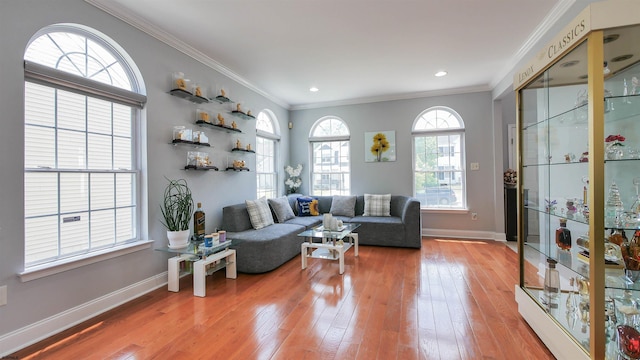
(444,211)
(40,271)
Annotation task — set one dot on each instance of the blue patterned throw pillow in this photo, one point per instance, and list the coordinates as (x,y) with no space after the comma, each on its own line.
(307,206)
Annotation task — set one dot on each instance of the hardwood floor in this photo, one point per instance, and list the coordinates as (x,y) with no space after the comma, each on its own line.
(453,299)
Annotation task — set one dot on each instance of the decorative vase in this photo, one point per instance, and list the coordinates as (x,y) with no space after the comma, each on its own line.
(178,239)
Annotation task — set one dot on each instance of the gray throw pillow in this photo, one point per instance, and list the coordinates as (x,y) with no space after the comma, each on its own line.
(259,213)
(343,206)
(281,209)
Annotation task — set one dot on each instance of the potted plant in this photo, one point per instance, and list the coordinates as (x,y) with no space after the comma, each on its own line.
(177,210)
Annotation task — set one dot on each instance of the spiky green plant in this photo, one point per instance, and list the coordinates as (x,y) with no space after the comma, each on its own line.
(177,208)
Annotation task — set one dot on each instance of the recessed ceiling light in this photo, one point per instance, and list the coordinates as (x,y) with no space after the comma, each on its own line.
(441,73)
(313,89)
(622,58)
(569,63)
(610,38)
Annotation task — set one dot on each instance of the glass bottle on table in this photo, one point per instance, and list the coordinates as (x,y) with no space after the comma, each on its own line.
(198,223)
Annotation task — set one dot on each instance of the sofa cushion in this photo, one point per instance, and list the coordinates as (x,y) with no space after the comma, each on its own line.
(281,209)
(306,221)
(307,206)
(259,213)
(377,205)
(236,218)
(343,206)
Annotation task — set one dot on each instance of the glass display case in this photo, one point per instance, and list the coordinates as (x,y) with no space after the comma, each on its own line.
(579,171)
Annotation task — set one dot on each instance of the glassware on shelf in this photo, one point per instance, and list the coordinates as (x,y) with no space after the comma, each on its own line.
(182,134)
(614,208)
(572,298)
(628,342)
(635,207)
(563,235)
(551,284)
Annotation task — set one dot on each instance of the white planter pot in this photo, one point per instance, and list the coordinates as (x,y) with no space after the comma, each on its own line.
(178,239)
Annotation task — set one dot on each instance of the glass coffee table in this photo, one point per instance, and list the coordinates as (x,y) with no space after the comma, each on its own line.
(331,245)
(206,261)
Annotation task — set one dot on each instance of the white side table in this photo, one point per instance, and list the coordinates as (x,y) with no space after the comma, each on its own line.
(206,261)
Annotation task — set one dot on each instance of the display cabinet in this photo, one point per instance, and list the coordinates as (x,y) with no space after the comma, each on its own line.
(578,175)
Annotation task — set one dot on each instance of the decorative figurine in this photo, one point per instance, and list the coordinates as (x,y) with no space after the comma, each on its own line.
(238,144)
(234,125)
(222,93)
(248,147)
(249,113)
(220,119)
(238,108)
(198,91)
(571,208)
(569,157)
(238,164)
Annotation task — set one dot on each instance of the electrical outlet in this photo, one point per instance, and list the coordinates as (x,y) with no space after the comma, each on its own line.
(3,295)
(474,216)
(475,166)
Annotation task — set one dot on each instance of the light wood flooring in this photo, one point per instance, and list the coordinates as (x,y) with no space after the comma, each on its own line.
(453,299)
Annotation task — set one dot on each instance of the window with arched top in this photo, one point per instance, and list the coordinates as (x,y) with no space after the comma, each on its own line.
(439,159)
(82,100)
(330,157)
(267,140)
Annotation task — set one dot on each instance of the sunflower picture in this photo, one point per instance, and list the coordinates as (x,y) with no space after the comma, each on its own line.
(380,146)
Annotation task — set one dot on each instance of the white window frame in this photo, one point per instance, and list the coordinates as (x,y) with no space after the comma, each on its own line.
(274,137)
(440,201)
(61,82)
(333,137)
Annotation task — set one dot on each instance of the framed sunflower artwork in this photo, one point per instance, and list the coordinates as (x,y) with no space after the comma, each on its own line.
(380,146)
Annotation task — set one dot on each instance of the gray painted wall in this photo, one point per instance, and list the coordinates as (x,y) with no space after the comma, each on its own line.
(396,177)
(36,300)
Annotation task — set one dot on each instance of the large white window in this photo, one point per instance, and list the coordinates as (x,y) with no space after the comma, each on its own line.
(82,103)
(267,138)
(439,158)
(330,160)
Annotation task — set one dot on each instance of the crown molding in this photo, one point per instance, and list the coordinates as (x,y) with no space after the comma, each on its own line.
(556,13)
(165,37)
(392,97)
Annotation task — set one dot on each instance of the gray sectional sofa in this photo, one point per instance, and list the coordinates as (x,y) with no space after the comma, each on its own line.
(265,249)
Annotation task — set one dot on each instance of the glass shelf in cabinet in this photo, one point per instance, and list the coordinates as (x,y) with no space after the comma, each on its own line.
(622,107)
(571,321)
(577,217)
(570,266)
(575,116)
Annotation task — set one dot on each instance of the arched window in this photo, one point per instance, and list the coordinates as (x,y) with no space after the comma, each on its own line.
(267,139)
(439,159)
(82,102)
(330,158)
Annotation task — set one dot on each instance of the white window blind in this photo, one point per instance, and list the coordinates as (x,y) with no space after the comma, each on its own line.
(81,173)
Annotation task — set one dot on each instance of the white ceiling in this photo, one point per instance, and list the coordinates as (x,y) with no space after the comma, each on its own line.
(352,50)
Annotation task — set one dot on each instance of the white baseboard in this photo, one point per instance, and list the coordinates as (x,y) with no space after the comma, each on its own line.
(464,234)
(45,328)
